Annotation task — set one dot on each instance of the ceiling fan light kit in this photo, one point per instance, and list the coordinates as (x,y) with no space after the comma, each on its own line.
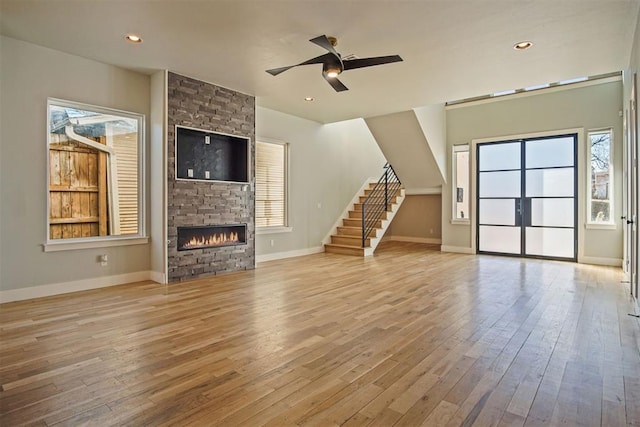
(333,64)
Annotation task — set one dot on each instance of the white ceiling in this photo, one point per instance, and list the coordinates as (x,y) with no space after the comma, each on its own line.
(451,49)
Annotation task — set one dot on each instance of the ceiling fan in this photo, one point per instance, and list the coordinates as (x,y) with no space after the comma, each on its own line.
(333,64)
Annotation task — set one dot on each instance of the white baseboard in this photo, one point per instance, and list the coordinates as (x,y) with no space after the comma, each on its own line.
(612,262)
(411,239)
(457,249)
(75,286)
(289,254)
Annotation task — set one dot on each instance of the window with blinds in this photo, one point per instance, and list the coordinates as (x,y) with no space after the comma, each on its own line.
(271,184)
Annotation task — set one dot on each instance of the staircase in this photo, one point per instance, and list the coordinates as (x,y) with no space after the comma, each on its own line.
(378,203)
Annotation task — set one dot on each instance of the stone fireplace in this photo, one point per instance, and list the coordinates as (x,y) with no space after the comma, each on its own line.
(196,207)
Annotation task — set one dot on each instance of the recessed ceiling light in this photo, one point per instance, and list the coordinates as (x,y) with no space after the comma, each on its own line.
(133,38)
(308,98)
(522,45)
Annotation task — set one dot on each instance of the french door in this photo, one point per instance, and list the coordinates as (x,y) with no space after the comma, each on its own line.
(526,197)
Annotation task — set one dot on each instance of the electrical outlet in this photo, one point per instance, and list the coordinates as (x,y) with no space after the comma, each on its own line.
(271,242)
(431,231)
(104,259)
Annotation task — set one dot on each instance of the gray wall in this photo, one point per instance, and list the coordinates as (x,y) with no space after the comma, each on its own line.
(588,107)
(328,164)
(30,74)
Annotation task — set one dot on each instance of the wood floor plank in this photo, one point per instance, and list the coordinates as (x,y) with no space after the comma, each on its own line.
(410,336)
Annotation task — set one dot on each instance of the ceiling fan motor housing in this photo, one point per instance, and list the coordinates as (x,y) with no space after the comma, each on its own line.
(332,67)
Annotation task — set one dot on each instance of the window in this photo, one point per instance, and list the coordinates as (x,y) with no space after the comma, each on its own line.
(600,208)
(461,183)
(271,184)
(94,172)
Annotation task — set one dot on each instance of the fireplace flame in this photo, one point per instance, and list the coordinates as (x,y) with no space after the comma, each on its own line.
(215,239)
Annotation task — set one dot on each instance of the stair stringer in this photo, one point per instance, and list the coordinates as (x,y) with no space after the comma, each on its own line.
(349,207)
(374,241)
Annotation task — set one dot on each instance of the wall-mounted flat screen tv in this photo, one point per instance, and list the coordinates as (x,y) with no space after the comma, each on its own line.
(211,156)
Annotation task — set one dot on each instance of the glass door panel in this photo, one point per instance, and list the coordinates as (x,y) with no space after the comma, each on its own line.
(549,242)
(500,156)
(552,212)
(537,153)
(497,211)
(500,239)
(550,182)
(499,184)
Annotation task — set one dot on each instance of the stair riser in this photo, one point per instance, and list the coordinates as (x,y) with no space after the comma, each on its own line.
(392,200)
(349,240)
(358,214)
(358,206)
(357,222)
(344,251)
(347,231)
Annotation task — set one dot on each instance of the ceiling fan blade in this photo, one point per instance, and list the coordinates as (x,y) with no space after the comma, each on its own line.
(324,42)
(351,64)
(317,60)
(276,71)
(336,84)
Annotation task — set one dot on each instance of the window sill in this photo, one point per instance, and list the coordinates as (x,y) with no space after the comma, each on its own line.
(74,244)
(598,226)
(273,230)
(460,222)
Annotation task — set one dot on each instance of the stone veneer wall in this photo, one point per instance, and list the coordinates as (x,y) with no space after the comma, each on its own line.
(205,106)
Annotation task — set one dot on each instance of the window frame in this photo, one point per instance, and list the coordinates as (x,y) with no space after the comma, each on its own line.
(285,228)
(454,183)
(141,237)
(611,224)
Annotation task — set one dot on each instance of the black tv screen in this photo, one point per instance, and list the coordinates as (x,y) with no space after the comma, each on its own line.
(211,156)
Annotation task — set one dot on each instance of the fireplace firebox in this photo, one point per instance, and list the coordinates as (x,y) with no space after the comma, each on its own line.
(211,236)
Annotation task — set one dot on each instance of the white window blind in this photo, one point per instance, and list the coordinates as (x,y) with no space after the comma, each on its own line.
(271,185)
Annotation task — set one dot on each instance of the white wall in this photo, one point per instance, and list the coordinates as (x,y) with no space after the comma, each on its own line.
(588,107)
(327,165)
(157,172)
(30,74)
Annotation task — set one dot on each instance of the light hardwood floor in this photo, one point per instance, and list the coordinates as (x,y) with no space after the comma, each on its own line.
(408,337)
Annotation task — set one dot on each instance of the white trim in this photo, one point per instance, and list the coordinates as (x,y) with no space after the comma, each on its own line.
(345,212)
(141,153)
(612,262)
(422,191)
(543,91)
(411,239)
(461,221)
(457,249)
(158,277)
(289,254)
(459,148)
(273,230)
(285,228)
(74,244)
(600,226)
(75,286)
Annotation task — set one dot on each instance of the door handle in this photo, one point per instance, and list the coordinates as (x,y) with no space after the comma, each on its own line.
(630,221)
